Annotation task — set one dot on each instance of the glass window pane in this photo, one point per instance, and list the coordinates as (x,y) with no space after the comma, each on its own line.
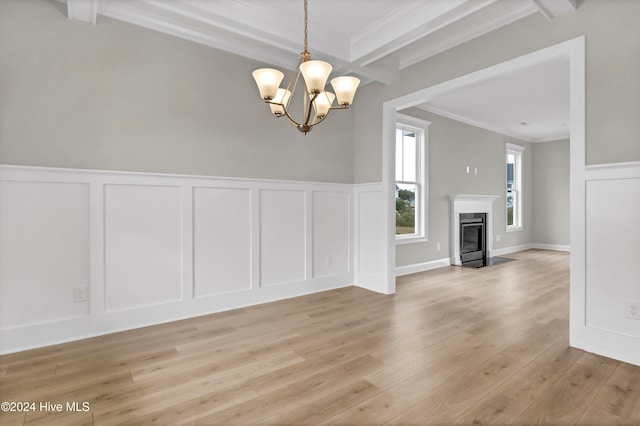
(409,154)
(510,176)
(511,202)
(405,209)
(399,156)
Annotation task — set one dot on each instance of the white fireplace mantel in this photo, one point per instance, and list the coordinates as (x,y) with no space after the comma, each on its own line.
(470,203)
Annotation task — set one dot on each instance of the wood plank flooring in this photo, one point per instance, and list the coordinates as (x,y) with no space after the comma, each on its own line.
(453,346)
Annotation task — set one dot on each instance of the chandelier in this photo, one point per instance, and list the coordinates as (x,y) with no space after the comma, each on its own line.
(316,101)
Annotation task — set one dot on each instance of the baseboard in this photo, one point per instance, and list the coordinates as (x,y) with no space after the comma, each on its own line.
(512,249)
(421,267)
(540,246)
(556,247)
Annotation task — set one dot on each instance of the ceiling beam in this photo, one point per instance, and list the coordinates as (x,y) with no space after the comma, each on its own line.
(553,8)
(83,10)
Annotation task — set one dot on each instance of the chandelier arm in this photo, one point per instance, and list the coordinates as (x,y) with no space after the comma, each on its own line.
(284,108)
(327,114)
(307,116)
(320,120)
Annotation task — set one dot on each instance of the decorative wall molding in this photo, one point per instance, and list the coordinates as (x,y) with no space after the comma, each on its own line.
(153,248)
(612,195)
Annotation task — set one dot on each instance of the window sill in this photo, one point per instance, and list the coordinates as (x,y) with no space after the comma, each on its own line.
(411,240)
(514,229)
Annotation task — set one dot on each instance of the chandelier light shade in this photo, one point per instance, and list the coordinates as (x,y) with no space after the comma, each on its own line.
(322,104)
(317,102)
(280,102)
(315,75)
(345,88)
(268,81)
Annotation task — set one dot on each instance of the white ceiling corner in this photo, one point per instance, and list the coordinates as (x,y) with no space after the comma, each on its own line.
(552,8)
(83,10)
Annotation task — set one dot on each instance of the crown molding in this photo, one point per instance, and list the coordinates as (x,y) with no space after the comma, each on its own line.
(472,122)
(397,25)
(491,128)
(416,25)
(461,32)
(553,137)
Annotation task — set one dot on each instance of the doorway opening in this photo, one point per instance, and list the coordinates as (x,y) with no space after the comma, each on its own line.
(574,50)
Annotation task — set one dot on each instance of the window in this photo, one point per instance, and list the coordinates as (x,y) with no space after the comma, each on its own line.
(514,187)
(411,182)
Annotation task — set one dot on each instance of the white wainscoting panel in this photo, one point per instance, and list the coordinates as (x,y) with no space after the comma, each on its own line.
(222,240)
(143,245)
(154,248)
(282,236)
(613,253)
(371,234)
(44,251)
(370,252)
(599,323)
(331,229)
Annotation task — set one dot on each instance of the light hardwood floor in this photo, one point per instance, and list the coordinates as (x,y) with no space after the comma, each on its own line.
(453,346)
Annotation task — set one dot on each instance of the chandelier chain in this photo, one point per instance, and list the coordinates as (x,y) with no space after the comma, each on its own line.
(306,31)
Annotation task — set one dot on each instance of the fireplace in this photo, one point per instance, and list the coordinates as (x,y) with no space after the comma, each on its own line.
(473,251)
(480,232)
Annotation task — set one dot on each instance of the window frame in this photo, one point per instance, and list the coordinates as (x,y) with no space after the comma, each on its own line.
(517,151)
(421,129)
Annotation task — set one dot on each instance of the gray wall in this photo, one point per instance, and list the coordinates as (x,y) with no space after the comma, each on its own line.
(120,97)
(612,30)
(551,192)
(452,147)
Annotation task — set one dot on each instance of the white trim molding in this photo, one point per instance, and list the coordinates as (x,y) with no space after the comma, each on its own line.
(422,127)
(518,207)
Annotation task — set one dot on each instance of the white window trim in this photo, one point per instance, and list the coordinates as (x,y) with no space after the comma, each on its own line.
(517,151)
(421,126)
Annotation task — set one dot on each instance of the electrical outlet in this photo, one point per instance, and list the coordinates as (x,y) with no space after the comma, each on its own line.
(633,310)
(498,237)
(329,261)
(80,294)
(438,246)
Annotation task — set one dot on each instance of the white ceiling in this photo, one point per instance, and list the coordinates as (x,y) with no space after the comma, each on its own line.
(531,104)
(371,39)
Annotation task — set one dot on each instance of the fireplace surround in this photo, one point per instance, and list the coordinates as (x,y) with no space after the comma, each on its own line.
(471,204)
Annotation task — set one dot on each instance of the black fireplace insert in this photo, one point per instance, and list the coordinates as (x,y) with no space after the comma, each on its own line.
(473,251)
